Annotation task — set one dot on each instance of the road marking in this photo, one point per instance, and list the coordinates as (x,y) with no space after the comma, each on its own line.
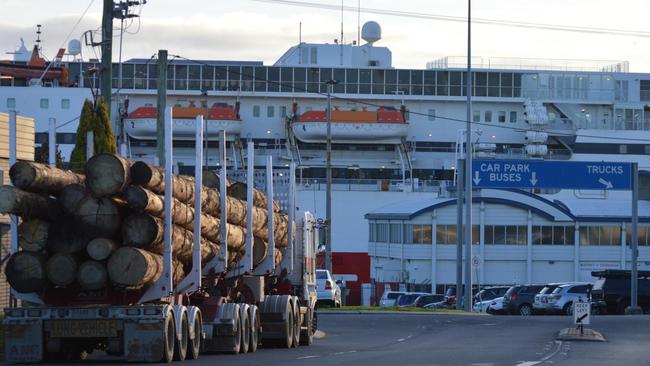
(489,324)
(401,339)
(306,357)
(544,359)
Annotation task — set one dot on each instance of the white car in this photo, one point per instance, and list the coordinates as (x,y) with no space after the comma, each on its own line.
(482,306)
(496,306)
(327,290)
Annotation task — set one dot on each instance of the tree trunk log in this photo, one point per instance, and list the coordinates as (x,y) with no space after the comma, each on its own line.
(99,217)
(65,237)
(211,180)
(146,232)
(260,249)
(70,197)
(61,269)
(101,248)
(32,235)
(25,272)
(36,177)
(239,191)
(134,268)
(153,178)
(92,275)
(107,174)
(28,205)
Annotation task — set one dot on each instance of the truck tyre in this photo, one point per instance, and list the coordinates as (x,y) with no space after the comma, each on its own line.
(307,336)
(180,351)
(169,338)
(296,321)
(254,339)
(194,347)
(289,326)
(245,326)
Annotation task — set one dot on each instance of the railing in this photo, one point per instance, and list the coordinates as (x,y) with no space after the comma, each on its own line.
(577,94)
(373,185)
(516,63)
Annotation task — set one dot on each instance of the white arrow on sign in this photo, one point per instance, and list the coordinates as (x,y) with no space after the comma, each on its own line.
(533,179)
(607,184)
(476,178)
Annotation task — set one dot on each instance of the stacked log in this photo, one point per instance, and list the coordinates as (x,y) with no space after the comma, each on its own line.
(106,228)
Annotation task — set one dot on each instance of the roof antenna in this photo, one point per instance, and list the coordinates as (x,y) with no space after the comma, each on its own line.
(38,37)
(342,32)
(300,43)
(358,22)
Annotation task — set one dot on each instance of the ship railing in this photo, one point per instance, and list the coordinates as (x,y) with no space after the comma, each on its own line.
(372,185)
(570,94)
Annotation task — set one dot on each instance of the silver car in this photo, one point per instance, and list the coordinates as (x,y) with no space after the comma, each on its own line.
(327,290)
(540,304)
(561,300)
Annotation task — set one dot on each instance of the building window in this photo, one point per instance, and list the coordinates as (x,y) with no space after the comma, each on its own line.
(270,111)
(622,149)
(600,235)
(283,111)
(513,117)
(552,235)
(256,111)
(446,234)
(65,103)
(488,116)
(11,103)
(372,232)
(395,233)
(502,116)
(506,234)
(45,103)
(642,235)
(431,115)
(382,233)
(477,116)
(421,234)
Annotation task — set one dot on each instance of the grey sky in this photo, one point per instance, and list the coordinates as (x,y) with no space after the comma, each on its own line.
(251,30)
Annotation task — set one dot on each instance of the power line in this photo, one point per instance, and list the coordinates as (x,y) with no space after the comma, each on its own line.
(449,18)
(451,119)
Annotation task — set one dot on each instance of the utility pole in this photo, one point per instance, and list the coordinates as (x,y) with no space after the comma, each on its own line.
(468,168)
(162,105)
(460,181)
(107,53)
(328,198)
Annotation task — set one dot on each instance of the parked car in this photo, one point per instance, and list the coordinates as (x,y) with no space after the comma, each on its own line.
(444,304)
(611,292)
(540,305)
(388,298)
(408,298)
(561,300)
(496,306)
(519,299)
(327,290)
(484,298)
(424,300)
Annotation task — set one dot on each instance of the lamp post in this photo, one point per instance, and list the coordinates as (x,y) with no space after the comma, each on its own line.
(328,197)
(468,169)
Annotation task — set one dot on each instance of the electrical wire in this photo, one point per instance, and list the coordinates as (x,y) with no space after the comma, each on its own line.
(448,18)
(451,119)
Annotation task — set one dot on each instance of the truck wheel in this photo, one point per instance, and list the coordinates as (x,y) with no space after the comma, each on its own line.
(180,351)
(289,325)
(307,337)
(296,322)
(254,339)
(194,347)
(245,326)
(169,338)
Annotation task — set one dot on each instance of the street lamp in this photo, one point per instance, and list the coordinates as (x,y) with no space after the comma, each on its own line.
(328,199)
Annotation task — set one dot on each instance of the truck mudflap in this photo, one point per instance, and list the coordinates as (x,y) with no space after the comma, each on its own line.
(143,341)
(24,341)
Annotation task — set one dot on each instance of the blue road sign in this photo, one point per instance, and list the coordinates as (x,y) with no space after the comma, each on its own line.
(525,174)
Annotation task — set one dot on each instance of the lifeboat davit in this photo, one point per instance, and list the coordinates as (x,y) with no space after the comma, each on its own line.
(385,125)
(141,123)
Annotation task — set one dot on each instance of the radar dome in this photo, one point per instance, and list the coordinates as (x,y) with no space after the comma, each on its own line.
(74,47)
(371,32)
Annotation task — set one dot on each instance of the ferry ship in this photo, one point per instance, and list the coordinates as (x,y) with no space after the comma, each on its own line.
(395,134)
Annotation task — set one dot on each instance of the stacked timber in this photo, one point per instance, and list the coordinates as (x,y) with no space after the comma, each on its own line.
(104,230)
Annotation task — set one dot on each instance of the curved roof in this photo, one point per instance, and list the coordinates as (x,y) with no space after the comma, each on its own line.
(555,210)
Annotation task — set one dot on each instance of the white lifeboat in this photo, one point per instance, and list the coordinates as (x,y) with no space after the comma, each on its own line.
(536,150)
(385,125)
(536,137)
(141,123)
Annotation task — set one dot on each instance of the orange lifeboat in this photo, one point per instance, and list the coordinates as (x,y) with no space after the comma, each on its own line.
(141,123)
(385,125)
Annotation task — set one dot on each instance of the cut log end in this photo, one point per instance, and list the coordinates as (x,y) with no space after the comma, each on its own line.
(141,230)
(92,275)
(101,248)
(33,234)
(61,269)
(107,174)
(25,272)
(22,174)
(134,268)
(100,217)
(136,197)
(70,197)
(141,174)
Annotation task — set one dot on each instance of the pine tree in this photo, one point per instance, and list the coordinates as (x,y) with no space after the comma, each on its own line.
(42,155)
(104,137)
(78,157)
(93,118)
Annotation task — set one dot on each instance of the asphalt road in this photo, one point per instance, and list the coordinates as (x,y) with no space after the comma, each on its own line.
(444,339)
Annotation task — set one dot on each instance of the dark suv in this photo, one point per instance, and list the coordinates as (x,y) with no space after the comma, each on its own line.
(519,299)
(611,292)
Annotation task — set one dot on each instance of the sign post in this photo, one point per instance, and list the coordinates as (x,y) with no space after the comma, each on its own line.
(581,314)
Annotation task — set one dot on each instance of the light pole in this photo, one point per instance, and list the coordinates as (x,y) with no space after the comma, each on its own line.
(328,198)
(468,169)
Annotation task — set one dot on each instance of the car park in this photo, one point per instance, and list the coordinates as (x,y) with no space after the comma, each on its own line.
(519,299)
(540,304)
(611,292)
(389,298)
(561,300)
(425,300)
(327,290)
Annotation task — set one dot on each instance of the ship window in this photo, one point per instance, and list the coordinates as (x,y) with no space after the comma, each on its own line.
(11,103)
(283,111)
(260,79)
(493,84)
(221,78)
(234,73)
(488,116)
(364,81)
(194,82)
(442,85)
(506,84)
(339,75)
(431,114)
(45,103)
(351,81)
(480,84)
(455,83)
(378,78)
(502,116)
(313,80)
(416,82)
(256,111)
(477,116)
(513,116)
(207,77)
(314,55)
(645,90)
(246,79)
(429,82)
(516,91)
(270,111)
(181,77)
(65,103)
(299,79)
(153,76)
